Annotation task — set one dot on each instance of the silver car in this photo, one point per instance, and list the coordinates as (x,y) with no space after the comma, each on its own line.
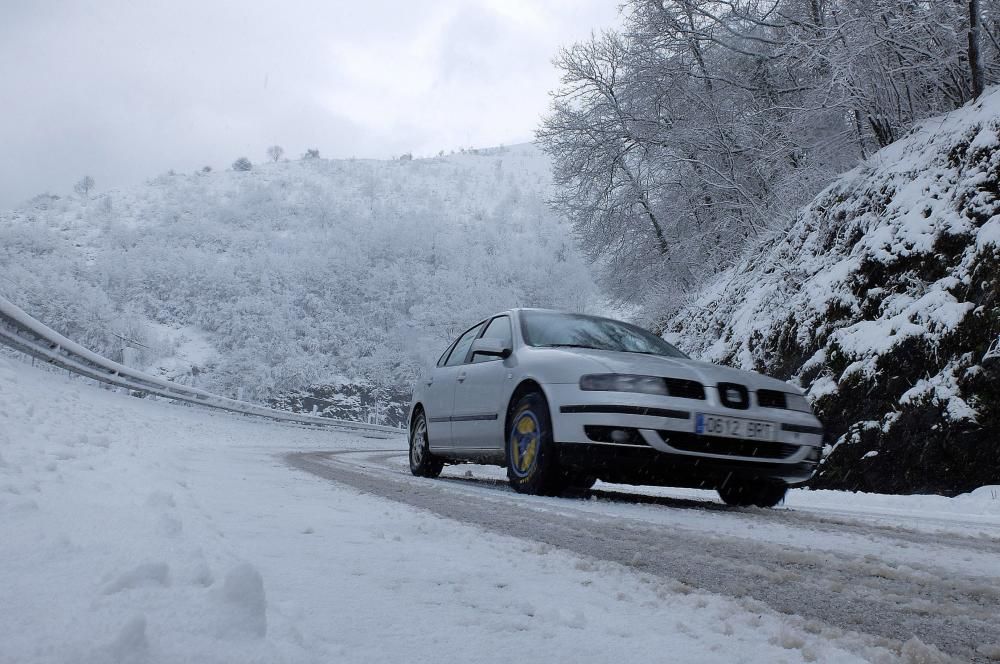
(563,400)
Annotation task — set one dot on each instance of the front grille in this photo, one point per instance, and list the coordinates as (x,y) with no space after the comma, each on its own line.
(771,399)
(734,395)
(685,389)
(728,446)
(624,435)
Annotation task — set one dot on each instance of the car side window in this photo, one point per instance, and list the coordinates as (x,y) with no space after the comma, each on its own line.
(461,348)
(499,328)
(444,355)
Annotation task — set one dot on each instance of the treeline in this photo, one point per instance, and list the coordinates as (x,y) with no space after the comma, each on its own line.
(691,135)
(298,274)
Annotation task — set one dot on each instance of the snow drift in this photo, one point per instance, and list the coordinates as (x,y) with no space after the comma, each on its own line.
(881,300)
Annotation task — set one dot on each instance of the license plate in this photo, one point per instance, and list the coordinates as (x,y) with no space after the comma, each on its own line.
(734,427)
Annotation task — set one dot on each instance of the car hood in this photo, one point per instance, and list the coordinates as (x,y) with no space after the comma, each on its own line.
(655,365)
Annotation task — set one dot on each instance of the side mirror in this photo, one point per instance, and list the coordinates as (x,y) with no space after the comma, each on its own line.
(491,347)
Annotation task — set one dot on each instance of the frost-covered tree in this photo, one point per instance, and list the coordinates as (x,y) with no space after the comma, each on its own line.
(274,152)
(688,137)
(242,164)
(356,272)
(84,185)
(311,153)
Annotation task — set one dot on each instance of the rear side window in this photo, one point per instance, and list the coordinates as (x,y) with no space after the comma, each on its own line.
(461,348)
(499,328)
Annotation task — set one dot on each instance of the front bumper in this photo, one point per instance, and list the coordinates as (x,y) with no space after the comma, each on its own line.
(638,466)
(656,435)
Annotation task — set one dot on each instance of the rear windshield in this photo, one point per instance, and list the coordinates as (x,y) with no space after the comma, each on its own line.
(558,330)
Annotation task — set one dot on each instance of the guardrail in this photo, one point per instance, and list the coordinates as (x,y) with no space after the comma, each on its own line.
(20,331)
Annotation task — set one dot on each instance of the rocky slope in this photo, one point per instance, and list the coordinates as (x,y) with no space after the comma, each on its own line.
(881,300)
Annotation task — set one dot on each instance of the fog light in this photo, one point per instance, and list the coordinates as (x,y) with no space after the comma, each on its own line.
(619,436)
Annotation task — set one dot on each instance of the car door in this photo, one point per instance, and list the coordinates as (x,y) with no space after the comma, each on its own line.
(477,420)
(440,389)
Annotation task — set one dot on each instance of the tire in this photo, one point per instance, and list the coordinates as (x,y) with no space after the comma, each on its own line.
(752,494)
(532,455)
(579,482)
(422,462)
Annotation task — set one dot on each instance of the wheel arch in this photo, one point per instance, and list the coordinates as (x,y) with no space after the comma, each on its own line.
(418,407)
(524,387)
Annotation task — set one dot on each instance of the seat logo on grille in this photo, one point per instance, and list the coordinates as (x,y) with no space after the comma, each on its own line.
(733,395)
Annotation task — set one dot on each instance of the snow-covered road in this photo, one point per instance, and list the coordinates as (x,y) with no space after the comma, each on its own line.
(143,531)
(938,581)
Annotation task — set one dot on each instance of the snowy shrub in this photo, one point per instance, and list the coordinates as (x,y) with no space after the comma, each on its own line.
(274,152)
(84,185)
(242,164)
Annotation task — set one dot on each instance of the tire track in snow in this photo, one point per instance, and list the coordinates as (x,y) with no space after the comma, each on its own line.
(956,613)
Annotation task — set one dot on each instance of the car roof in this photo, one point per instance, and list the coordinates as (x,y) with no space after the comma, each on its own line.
(552,311)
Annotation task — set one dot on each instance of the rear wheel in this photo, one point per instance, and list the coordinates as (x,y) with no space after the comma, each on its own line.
(422,462)
(752,494)
(532,455)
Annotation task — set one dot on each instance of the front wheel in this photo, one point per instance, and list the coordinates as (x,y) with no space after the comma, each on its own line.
(752,494)
(422,462)
(579,482)
(532,455)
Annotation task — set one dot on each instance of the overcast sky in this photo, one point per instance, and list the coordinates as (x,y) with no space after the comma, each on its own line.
(124,90)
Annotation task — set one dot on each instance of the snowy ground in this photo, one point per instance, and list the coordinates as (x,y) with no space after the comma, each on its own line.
(143,531)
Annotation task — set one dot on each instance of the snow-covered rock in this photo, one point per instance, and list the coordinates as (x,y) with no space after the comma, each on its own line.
(880,300)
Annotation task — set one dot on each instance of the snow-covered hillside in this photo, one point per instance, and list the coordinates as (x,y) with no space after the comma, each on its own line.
(881,300)
(295,273)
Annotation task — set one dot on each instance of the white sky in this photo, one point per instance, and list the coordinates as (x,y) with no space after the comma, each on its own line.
(124,90)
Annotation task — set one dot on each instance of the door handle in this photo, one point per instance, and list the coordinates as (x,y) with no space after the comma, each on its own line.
(461,377)
(429,383)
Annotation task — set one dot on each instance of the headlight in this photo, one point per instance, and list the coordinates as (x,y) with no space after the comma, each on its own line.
(797,402)
(624,383)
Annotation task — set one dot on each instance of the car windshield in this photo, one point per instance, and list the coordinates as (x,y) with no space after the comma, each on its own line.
(551,329)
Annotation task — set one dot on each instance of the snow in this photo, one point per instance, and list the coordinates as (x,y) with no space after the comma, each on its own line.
(821,278)
(976,514)
(942,388)
(144,531)
(190,353)
(299,273)
(988,235)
